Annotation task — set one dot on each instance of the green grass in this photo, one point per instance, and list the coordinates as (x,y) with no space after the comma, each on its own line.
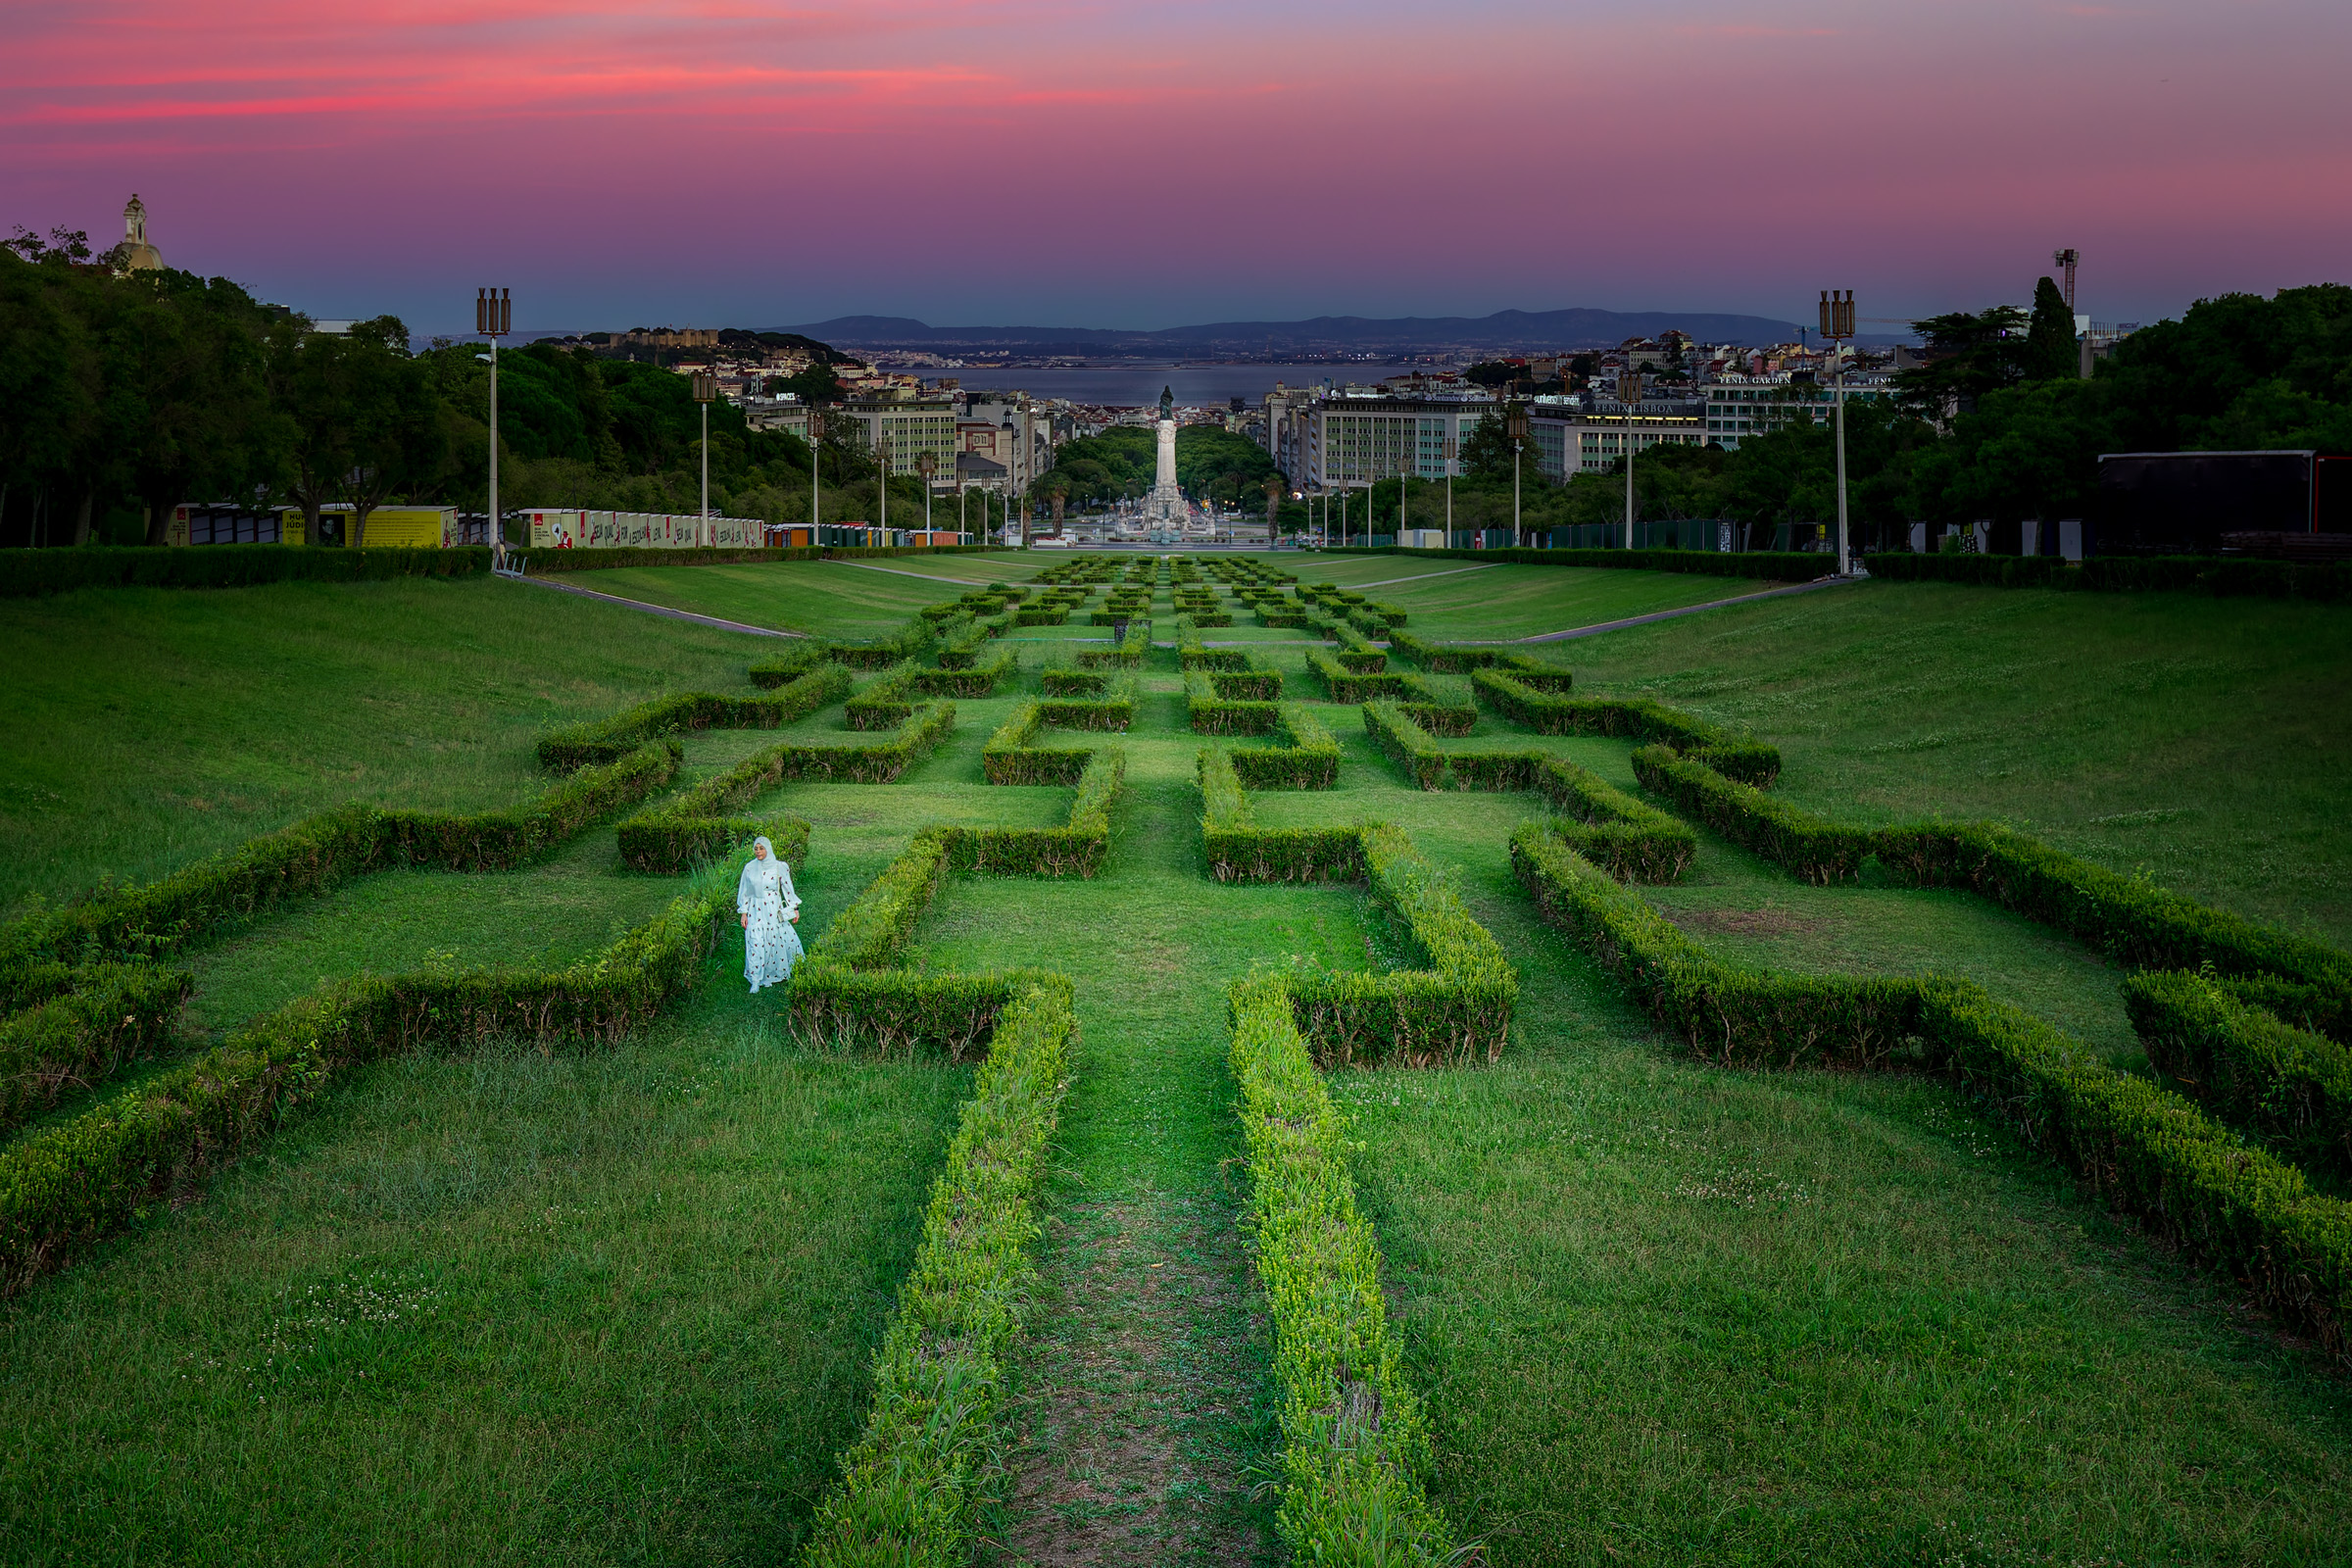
(147,728)
(1660,1313)
(2202,741)
(504,1308)
(1494,602)
(836,598)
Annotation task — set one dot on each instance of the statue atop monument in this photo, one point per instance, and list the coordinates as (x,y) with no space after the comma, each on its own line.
(1167,403)
(1167,499)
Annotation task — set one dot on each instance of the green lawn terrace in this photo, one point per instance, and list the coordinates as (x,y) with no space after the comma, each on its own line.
(625,1300)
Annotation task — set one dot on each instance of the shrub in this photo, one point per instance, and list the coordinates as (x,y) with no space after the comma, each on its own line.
(1129,653)
(1311,762)
(1633,841)
(1011,757)
(2148,1148)
(791,662)
(29,573)
(879,761)
(884,703)
(1812,848)
(609,739)
(65,1184)
(979,679)
(1355,1443)
(1519,694)
(1402,739)
(1193,654)
(1074,850)
(1113,711)
(1214,713)
(2288,1086)
(114,1013)
(1074,682)
(913,1483)
(693,827)
(2220,576)
(1240,851)
(961,651)
(318,853)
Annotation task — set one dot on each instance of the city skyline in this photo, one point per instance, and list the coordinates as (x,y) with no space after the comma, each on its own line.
(1089,165)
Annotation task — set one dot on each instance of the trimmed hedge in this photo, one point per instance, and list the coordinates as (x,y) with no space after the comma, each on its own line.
(1074,682)
(962,649)
(30,573)
(1513,694)
(1214,713)
(693,827)
(878,762)
(1311,762)
(1113,711)
(1193,654)
(1630,839)
(1813,849)
(1011,757)
(1127,655)
(116,1012)
(1402,739)
(2289,1088)
(66,1185)
(316,854)
(1075,849)
(795,660)
(980,679)
(605,740)
(883,703)
(2237,1208)
(2220,576)
(1783,565)
(1356,1442)
(914,1481)
(1240,851)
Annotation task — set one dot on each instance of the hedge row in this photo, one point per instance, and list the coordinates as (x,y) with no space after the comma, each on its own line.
(1454,1012)
(1512,695)
(116,1014)
(1783,565)
(692,825)
(2206,574)
(2288,1086)
(1240,851)
(1311,762)
(876,761)
(605,740)
(1344,685)
(1011,756)
(1214,713)
(911,641)
(2238,1208)
(311,857)
(883,703)
(66,1185)
(1113,711)
(542,563)
(1193,654)
(1356,1442)
(29,573)
(961,651)
(915,1479)
(1075,682)
(791,662)
(1127,655)
(1075,849)
(1632,839)
(978,680)
(2133,922)
(1402,741)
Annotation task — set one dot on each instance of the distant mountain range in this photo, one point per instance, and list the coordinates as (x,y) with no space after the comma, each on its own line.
(1502,332)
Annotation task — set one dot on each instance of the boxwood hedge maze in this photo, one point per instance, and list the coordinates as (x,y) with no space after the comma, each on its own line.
(1264,1085)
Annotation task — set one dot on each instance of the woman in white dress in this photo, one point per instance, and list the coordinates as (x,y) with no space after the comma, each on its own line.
(763,897)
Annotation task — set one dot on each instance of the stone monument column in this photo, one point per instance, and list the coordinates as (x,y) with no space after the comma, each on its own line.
(1167,501)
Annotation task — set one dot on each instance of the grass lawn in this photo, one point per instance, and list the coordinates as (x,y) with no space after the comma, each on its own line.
(147,728)
(2204,741)
(840,599)
(620,1305)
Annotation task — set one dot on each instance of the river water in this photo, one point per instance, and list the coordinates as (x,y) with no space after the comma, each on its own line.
(1195,385)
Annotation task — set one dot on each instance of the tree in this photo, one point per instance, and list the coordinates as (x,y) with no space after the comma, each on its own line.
(185,395)
(2050,352)
(1967,357)
(1487,452)
(816,385)
(394,430)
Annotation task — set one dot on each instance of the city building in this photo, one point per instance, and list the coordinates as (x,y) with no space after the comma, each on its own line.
(911,426)
(1738,405)
(1361,440)
(1575,435)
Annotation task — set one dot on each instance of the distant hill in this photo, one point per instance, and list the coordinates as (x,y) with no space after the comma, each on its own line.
(1500,332)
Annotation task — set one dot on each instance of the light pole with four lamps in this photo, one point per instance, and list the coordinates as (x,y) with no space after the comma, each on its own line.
(1837,325)
(706,390)
(926,463)
(1514,422)
(494,319)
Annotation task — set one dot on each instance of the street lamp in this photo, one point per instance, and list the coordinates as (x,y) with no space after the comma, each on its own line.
(926,463)
(883,484)
(1514,425)
(1451,452)
(1837,325)
(706,388)
(494,319)
(816,447)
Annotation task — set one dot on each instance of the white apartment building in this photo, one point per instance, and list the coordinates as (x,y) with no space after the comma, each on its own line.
(1754,405)
(912,427)
(1361,440)
(1568,440)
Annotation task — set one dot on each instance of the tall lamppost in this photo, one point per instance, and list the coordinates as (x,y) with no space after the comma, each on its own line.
(706,389)
(883,485)
(1453,451)
(1514,422)
(817,464)
(494,319)
(1628,396)
(1837,325)
(926,463)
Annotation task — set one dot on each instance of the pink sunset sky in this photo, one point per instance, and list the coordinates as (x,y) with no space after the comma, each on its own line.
(746,163)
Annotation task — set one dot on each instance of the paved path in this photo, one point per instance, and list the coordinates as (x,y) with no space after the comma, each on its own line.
(652,610)
(1666,615)
(902,571)
(1390,582)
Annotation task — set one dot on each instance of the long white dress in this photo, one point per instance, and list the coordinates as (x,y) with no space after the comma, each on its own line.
(770,945)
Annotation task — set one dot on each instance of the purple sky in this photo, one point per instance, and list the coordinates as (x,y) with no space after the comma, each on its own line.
(745,162)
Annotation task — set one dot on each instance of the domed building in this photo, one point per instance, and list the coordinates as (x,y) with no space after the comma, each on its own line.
(137,253)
